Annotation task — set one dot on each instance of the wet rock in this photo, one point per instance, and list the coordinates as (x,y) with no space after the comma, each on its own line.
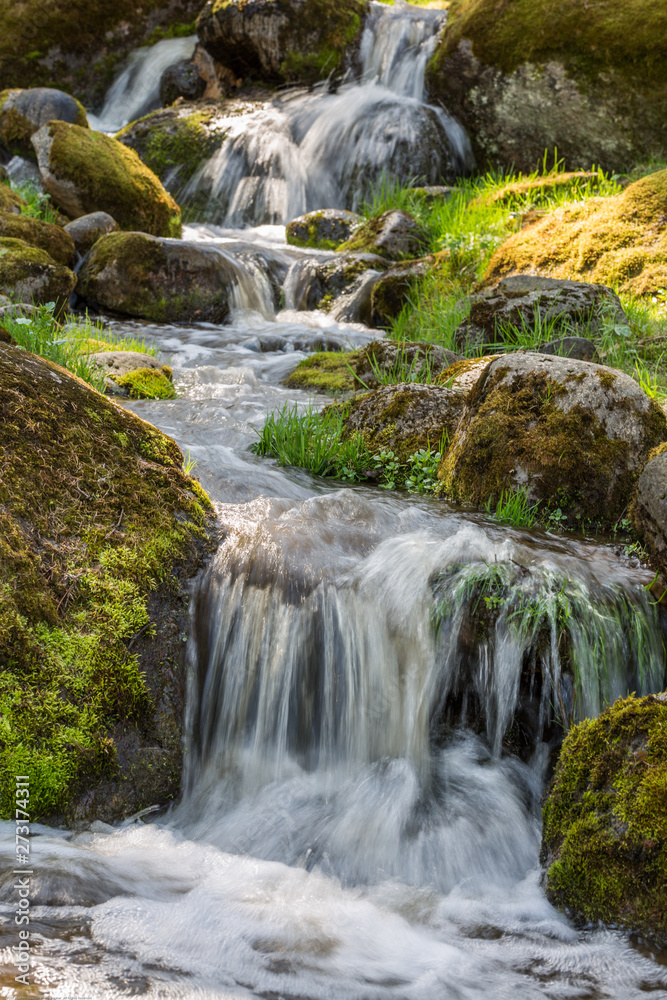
(649,510)
(578,348)
(181,80)
(523,78)
(31,275)
(404,418)
(605,823)
(391,292)
(323,230)
(77,466)
(86,171)
(24,112)
(394,235)
(303,41)
(572,434)
(619,241)
(157,279)
(43,235)
(336,282)
(266,344)
(533,303)
(87,229)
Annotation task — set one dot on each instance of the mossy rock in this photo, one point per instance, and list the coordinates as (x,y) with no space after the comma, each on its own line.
(282,40)
(31,275)
(604,838)
(393,291)
(86,171)
(323,230)
(394,235)
(147,383)
(527,75)
(79,46)
(10,201)
(24,112)
(649,508)
(161,280)
(572,434)
(44,235)
(404,418)
(331,372)
(619,241)
(100,531)
(175,142)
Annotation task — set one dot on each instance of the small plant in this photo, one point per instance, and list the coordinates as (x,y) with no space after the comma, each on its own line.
(514,507)
(189,463)
(41,334)
(39,205)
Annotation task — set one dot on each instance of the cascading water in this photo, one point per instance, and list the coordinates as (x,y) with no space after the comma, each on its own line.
(328,150)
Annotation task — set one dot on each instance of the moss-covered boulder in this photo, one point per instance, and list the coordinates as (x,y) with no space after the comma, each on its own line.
(44,235)
(649,510)
(175,142)
(528,75)
(100,530)
(619,241)
(394,235)
(160,280)
(331,372)
(282,40)
(31,275)
(404,418)
(397,286)
(323,230)
(604,837)
(572,434)
(78,46)
(521,304)
(24,112)
(86,171)
(10,201)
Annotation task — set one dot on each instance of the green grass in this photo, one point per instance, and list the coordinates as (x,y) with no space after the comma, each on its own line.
(514,507)
(39,204)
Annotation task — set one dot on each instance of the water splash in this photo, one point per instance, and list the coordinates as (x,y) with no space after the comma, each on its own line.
(317,150)
(136,89)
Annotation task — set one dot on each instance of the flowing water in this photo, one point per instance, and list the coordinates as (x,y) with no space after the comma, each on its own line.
(375,683)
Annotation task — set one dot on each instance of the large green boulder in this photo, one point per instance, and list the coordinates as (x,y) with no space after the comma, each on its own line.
(282,40)
(572,434)
(158,279)
(23,112)
(78,45)
(604,838)
(86,171)
(99,530)
(31,275)
(527,75)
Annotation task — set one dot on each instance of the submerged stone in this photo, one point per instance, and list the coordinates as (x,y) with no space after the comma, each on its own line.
(574,435)
(86,171)
(604,838)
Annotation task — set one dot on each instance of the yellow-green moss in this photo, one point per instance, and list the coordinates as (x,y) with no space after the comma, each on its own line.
(10,201)
(96,517)
(148,383)
(110,177)
(619,241)
(31,274)
(44,235)
(325,371)
(335,24)
(539,190)
(588,37)
(605,819)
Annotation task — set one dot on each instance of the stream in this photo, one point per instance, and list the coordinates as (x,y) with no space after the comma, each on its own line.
(354,824)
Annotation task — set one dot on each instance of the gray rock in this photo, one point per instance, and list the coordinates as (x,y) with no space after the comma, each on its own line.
(119,363)
(571,308)
(393,290)
(86,230)
(323,230)
(394,235)
(578,348)
(319,284)
(181,80)
(31,109)
(573,434)
(160,279)
(650,510)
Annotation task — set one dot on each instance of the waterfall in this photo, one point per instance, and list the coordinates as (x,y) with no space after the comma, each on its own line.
(307,151)
(136,89)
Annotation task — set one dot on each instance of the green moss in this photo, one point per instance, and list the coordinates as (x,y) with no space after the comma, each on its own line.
(605,819)
(325,371)
(10,201)
(630,37)
(32,275)
(111,178)
(178,29)
(336,25)
(97,517)
(43,235)
(148,383)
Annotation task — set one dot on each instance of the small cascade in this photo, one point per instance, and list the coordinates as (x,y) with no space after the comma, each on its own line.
(328,150)
(136,89)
